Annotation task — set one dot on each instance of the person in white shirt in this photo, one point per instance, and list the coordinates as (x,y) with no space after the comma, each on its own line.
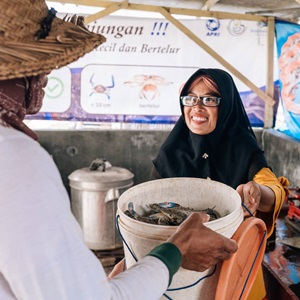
(42,252)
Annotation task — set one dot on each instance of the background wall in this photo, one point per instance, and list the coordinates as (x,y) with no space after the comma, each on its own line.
(135,149)
(283,154)
(132,150)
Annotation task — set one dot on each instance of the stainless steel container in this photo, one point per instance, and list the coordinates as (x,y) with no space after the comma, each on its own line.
(94,196)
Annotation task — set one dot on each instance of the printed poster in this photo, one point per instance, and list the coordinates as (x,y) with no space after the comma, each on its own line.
(137,74)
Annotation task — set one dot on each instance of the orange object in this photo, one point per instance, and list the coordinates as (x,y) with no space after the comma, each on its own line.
(294,211)
(238,273)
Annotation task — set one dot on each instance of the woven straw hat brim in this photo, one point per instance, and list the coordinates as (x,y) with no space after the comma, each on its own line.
(65,43)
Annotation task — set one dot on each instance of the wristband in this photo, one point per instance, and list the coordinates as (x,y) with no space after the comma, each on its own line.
(170,255)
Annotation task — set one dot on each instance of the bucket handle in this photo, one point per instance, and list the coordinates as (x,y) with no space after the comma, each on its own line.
(135,258)
(122,238)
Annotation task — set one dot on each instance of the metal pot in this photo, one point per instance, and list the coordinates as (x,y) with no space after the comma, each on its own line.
(94,196)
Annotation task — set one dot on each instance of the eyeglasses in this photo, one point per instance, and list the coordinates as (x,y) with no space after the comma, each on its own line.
(209,101)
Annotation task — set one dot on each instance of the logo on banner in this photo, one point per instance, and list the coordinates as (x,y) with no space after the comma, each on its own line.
(213,26)
(235,27)
(260,28)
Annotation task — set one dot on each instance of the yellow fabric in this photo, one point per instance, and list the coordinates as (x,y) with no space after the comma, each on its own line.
(279,186)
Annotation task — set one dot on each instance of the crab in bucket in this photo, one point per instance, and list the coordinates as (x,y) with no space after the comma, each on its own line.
(167,213)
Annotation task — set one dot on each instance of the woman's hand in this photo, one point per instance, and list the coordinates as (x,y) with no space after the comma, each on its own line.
(251,197)
(256,197)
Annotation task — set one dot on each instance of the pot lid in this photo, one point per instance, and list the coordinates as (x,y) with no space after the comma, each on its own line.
(101,178)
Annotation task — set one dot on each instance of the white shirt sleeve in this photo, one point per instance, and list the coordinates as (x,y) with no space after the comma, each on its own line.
(42,252)
(146,280)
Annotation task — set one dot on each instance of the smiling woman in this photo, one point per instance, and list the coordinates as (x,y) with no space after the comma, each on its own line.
(213,140)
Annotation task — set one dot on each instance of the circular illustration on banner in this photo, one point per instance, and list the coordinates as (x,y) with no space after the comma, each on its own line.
(55,87)
(58,92)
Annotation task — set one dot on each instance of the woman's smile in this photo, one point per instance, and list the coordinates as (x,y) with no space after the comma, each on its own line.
(199,119)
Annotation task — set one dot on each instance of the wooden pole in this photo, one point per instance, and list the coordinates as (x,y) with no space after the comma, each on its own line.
(216,56)
(269,110)
(107,11)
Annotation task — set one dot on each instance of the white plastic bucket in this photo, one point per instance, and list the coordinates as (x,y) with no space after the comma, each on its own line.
(195,193)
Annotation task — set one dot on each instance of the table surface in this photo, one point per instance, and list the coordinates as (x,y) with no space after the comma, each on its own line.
(283,260)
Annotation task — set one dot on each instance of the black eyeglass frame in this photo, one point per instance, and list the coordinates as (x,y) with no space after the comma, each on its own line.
(201,99)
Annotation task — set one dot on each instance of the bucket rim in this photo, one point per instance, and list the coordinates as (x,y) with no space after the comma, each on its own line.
(211,223)
(182,180)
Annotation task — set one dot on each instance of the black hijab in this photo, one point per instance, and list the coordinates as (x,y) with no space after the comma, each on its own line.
(234,156)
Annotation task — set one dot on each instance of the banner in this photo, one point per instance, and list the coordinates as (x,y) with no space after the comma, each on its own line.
(288,47)
(137,74)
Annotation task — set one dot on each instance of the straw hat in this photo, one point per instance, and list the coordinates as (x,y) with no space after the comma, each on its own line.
(34,41)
